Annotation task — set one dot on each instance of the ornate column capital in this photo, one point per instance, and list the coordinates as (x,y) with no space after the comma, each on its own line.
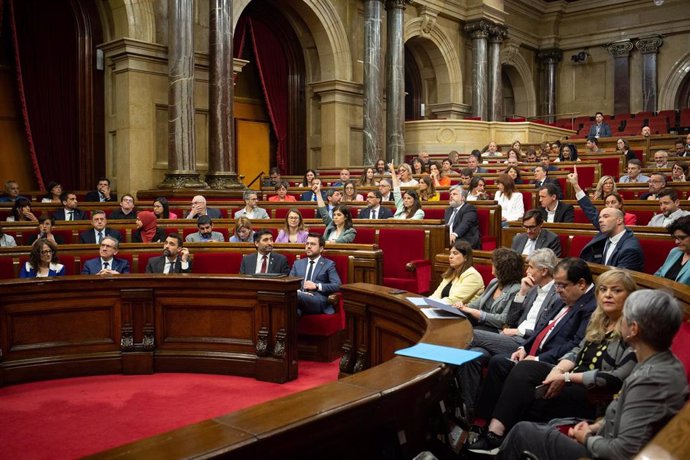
(620,49)
(478,29)
(550,56)
(649,45)
(399,4)
(498,32)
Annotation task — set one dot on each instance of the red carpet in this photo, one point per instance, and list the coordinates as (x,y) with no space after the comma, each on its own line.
(70,418)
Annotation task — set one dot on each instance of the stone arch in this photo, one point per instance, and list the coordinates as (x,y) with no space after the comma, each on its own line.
(668,93)
(441,53)
(520,75)
(128,18)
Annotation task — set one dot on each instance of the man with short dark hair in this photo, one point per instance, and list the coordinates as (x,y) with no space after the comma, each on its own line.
(535,237)
(466,176)
(273,178)
(541,178)
(69,210)
(592,145)
(320,278)
(205,233)
(634,172)
(99,231)
(126,210)
(107,263)
(264,260)
(545,160)
(599,128)
(333,198)
(175,258)
(102,192)
(473,162)
(657,182)
(251,210)
(344,177)
(669,204)
(374,210)
(552,209)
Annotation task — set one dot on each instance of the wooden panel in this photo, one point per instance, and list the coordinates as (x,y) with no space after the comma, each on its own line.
(253,150)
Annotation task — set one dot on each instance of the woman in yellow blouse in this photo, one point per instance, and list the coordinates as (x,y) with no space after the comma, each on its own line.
(461,282)
(426,189)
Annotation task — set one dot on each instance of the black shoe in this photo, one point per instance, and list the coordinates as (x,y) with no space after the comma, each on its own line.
(488,444)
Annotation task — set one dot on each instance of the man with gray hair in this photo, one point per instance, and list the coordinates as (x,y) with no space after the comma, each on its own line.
(11,192)
(461,218)
(251,210)
(385,189)
(199,209)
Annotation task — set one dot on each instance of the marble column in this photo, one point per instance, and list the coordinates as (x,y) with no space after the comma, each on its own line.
(372,112)
(549,59)
(649,47)
(395,81)
(621,75)
(479,32)
(221,160)
(181,154)
(495,105)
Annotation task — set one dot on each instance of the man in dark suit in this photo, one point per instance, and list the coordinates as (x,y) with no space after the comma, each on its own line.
(461,218)
(264,260)
(599,128)
(374,210)
(69,209)
(535,237)
(615,245)
(199,209)
(107,263)
(102,192)
(385,190)
(309,194)
(320,278)
(552,209)
(99,230)
(541,178)
(175,258)
(473,162)
(551,340)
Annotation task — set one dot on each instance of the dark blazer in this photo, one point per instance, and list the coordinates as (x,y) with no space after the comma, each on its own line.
(627,254)
(324,273)
(481,170)
(32,238)
(277,263)
(93,266)
(89,237)
(309,196)
(157,265)
(213,213)
(465,224)
(383,213)
(549,308)
(604,130)
(95,197)
(159,237)
(78,214)
(564,212)
(546,239)
(568,332)
(118,214)
(549,180)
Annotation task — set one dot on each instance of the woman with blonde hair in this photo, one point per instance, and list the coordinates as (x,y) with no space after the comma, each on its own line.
(405,175)
(461,282)
(243,231)
(426,189)
(605,186)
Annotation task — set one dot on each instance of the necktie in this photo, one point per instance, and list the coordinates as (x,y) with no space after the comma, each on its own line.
(105,265)
(264,264)
(70,215)
(310,271)
(373,213)
(544,332)
(100,237)
(607,250)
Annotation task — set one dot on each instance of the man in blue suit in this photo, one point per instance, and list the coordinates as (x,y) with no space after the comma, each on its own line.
(69,211)
(374,210)
(599,128)
(320,279)
(107,263)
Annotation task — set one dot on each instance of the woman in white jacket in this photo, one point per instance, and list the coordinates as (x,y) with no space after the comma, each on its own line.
(512,206)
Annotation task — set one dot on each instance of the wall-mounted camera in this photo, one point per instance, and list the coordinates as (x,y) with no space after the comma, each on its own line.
(580,58)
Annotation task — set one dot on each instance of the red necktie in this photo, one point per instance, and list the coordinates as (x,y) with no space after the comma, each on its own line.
(540,338)
(264,263)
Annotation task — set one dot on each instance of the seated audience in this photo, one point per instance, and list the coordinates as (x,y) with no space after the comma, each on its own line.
(53,192)
(461,218)
(679,172)
(199,208)
(206,233)
(552,209)
(175,258)
(147,230)
(407,206)
(251,210)
(634,170)
(602,361)
(512,206)
(513,157)
(6,241)
(466,176)
(439,176)
(654,392)
(473,161)
(46,223)
(599,128)
(161,208)
(309,176)
(669,205)
(614,200)
(21,212)
(107,263)
(569,152)
(349,193)
(344,177)
(264,260)
(541,179)
(461,282)
(99,231)
(676,266)
(320,278)
(426,189)
(385,189)
(126,210)
(367,178)
(11,192)
(517,146)
(339,228)
(309,194)
(605,186)
(545,159)
(404,176)
(623,148)
(679,147)
(381,168)
(293,231)
(43,261)
(374,210)
(243,231)
(657,182)
(535,237)
(477,191)
(646,131)
(102,193)
(333,197)
(514,173)
(281,189)
(591,146)
(492,150)
(531,155)
(447,165)
(424,158)
(453,157)
(661,159)
(417,166)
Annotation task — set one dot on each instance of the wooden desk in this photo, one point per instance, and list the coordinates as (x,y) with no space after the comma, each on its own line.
(139,324)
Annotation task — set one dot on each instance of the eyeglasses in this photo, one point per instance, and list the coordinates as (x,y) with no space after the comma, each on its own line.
(679,237)
(47,251)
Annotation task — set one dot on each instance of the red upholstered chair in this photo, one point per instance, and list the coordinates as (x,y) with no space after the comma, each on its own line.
(365,236)
(434,213)
(610,166)
(488,240)
(655,252)
(643,216)
(565,245)
(405,264)
(528,198)
(144,260)
(6,268)
(217,262)
(577,244)
(485,271)
(280,213)
(354,210)
(580,216)
(628,194)
(681,346)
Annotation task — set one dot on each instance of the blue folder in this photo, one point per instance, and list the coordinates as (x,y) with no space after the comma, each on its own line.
(439,353)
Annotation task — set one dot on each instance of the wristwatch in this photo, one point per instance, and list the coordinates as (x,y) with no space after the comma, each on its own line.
(566,377)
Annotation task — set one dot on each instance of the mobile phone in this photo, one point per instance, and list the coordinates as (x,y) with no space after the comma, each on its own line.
(540,391)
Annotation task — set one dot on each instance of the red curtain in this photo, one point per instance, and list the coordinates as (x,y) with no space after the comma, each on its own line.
(45,48)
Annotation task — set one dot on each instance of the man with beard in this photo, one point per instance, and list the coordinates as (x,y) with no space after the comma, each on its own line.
(175,258)
(264,260)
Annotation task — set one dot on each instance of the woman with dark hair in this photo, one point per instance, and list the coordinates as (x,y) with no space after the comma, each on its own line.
(147,230)
(426,189)
(161,208)
(339,228)
(461,282)
(512,206)
(46,224)
(477,190)
(614,200)
(417,166)
(367,177)
(21,211)
(679,172)
(6,241)
(309,176)
(407,206)
(281,188)
(350,192)
(293,231)
(676,266)
(53,192)
(623,147)
(439,174)
(568,152)
(514,172)
(43,261)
